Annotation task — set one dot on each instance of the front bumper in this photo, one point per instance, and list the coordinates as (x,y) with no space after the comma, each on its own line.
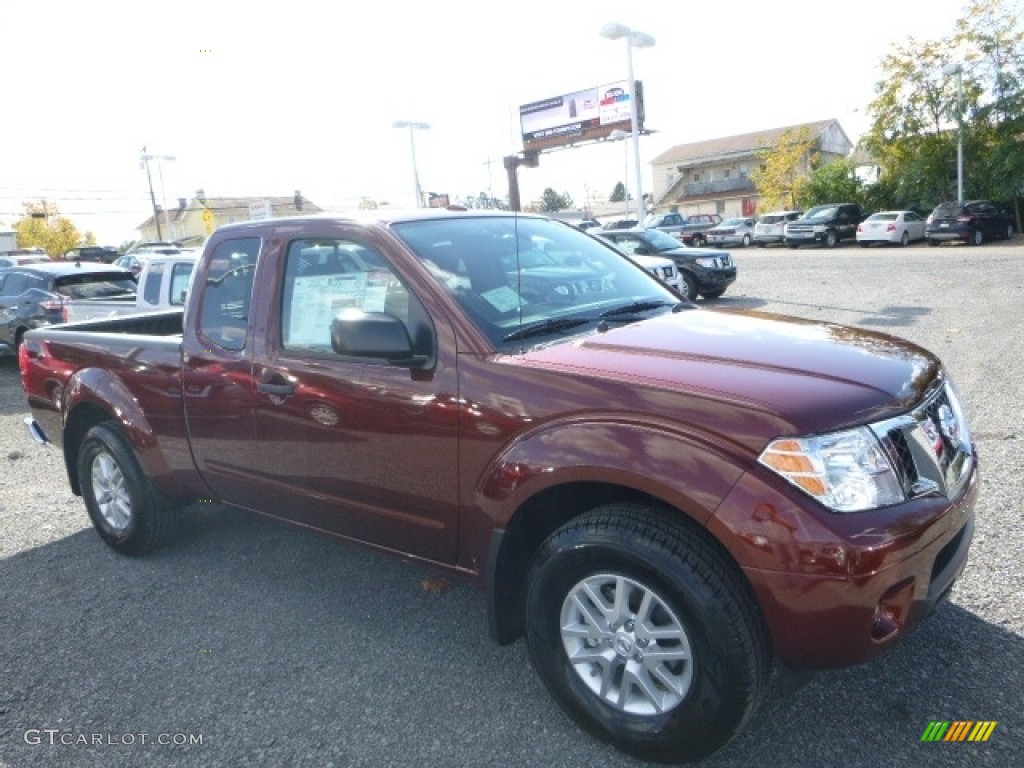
(837,590)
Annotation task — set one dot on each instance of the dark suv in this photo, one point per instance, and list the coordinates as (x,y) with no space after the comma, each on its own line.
(99,253)
(973,222)
(35,295)
(701,271)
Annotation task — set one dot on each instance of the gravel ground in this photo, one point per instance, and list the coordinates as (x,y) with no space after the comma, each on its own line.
(271,646)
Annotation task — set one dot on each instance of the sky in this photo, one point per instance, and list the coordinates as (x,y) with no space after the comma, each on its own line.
(258,98)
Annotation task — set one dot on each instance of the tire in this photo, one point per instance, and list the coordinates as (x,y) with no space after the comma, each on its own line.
(746,241)
(904,239)
(792,245)
(977,237)
(687,286)
(699,241)
(126,510)
(933,243)
(1009,232)
(705,673)
(831,239)
(713,294)
(864,244)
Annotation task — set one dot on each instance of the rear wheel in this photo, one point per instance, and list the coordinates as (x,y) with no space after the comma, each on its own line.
(645,634)
(128,513)
(904,239)
(977,237)
(1009,231)
(746,241)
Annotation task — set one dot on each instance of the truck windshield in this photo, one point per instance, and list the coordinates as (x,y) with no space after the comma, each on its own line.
(508,273)
(821,212)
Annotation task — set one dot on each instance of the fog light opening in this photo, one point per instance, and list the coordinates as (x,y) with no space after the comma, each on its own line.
(892,611)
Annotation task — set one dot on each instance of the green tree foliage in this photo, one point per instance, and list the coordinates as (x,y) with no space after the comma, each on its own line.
(552,201)
(833,182)
(42,226)
(783,173)
(913,134)
(618,194)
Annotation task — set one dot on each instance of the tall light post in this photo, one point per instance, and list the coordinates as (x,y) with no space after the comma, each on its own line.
(413,127)
(618,135)
(144,162)
(634,39)
(956,68)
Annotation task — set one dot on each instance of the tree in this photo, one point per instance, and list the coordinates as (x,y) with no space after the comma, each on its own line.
(618,194)
(42,226)
(552,201)
(784,169)
(835,181)
(915,112)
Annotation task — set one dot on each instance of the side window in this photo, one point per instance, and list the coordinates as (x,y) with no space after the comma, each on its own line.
(151,288)
(180,275)
(224,315)
(15,284)
(326,276)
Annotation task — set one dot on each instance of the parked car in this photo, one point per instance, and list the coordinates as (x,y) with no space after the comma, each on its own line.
(899,227)
(133,260)
(739,231)
(827,224)
(705,272)
(36,295)
(770,228)
(588,224)
(621,224)
(101,253)
(23,256)
(973,222)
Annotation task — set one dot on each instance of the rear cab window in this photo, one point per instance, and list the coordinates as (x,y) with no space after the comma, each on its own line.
(227,295)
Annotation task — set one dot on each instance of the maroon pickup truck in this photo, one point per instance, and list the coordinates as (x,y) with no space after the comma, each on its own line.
(664,500)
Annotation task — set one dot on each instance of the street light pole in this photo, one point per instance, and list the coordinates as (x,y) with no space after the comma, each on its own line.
(617,135)
(956,68)
(634,39)
(413,126)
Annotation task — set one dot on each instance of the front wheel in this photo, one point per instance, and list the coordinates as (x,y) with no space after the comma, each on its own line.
(746,241)
(687,286)
(645,633)
(126,510)
(933,243)
(713,294)
(831,239)
(977,237)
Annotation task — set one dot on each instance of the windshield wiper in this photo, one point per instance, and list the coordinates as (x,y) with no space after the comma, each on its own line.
(550,325)
(638,306)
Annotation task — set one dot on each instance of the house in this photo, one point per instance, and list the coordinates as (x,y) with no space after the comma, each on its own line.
(714,176)
(194,220)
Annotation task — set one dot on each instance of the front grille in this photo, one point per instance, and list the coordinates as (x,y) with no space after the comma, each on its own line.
(930,447)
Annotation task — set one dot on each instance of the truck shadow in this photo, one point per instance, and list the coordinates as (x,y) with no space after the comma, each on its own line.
(275,643)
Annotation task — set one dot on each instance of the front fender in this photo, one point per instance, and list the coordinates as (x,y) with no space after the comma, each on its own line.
(685,471)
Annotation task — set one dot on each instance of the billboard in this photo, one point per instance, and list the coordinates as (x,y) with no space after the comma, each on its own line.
(580,116)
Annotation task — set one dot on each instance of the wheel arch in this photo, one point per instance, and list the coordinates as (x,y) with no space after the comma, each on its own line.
(512,548)
(94,395)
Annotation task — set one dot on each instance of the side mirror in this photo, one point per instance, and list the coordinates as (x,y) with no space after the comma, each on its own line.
(373,335)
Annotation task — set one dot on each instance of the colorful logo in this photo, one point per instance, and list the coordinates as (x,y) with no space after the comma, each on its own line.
(958,730)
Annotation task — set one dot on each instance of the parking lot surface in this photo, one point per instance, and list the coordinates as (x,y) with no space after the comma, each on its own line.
(249,643)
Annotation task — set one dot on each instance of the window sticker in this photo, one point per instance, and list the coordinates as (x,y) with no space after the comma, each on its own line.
(503,299)
(317,300)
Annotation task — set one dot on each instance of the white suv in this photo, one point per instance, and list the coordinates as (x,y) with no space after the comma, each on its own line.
(770,227)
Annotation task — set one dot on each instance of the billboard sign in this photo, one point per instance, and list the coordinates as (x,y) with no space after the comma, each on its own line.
(581,116)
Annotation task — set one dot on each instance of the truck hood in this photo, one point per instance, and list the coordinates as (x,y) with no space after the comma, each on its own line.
(804,377)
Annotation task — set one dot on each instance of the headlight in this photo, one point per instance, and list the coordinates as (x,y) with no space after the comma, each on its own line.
(846,471)
(707,262)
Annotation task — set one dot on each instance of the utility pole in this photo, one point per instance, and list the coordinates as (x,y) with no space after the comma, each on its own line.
(149,178)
